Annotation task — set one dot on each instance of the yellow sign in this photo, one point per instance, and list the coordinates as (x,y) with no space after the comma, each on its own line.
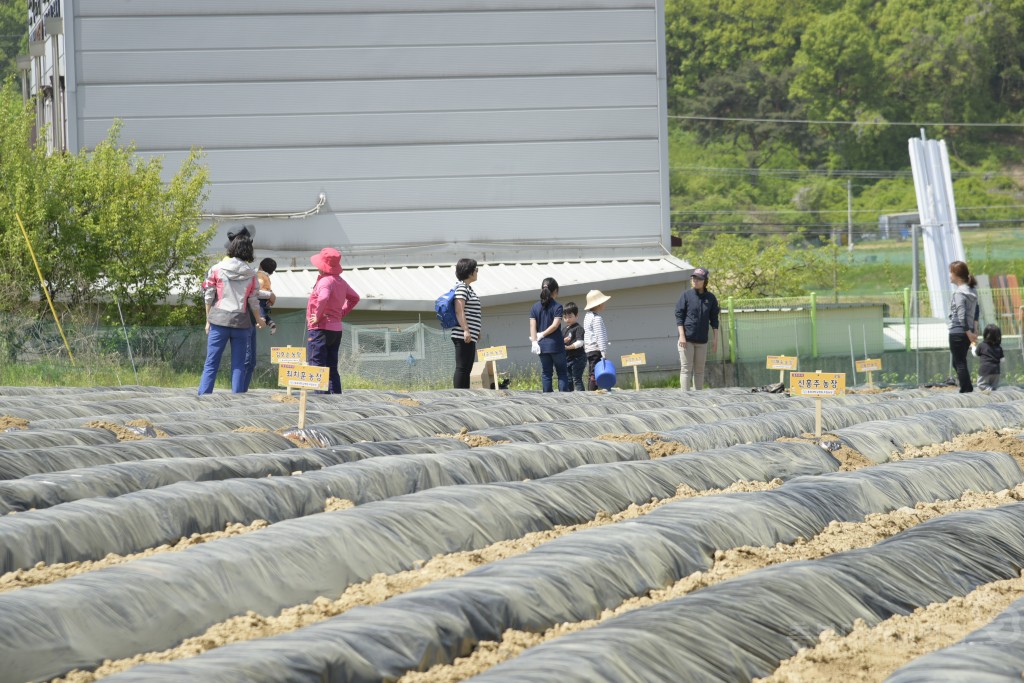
(782,362)
(634,359)
(492,353)
(295,355)
(303,376)
(817,383)
(869,365)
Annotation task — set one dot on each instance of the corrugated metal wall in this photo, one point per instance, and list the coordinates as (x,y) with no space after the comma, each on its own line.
(530,128)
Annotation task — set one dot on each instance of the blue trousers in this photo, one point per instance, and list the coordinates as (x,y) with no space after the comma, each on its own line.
(215,345)
(556,361)
(250,359)
(322,351)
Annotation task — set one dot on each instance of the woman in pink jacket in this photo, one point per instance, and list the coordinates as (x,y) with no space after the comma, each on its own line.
(332,299)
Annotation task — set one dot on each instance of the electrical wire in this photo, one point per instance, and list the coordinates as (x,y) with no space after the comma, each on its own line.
(239,216)
(819,122)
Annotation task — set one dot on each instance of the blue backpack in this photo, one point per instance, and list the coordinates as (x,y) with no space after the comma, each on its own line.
(445,309)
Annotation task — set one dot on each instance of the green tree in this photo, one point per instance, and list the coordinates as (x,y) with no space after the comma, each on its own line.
(103,223)
(759,267)
(13,35)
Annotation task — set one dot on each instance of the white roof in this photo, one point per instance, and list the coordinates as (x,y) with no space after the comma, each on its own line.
(414,288)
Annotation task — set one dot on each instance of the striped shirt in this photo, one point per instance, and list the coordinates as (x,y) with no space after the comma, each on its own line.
(472,310)
(595,334)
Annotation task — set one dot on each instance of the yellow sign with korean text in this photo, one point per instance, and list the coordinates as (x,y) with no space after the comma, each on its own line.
(295,355)
(303,376)
(782,362)
(492,353)
(869,365)
(817,384)
(634,359)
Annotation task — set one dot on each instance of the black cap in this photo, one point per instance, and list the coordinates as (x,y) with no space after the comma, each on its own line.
(240,231)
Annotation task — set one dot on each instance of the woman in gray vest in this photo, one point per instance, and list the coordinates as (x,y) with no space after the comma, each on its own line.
(963,309)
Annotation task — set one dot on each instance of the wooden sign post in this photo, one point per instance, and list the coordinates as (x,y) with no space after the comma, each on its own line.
(303,377)
(782,363)
(869,365)
(817,384)
(634,360)
(493,354)
(290,355)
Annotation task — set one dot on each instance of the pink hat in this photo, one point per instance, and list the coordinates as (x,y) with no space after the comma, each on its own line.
(328,261)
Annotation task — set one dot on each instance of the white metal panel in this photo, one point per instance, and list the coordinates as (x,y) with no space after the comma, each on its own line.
(339,130)
(426,161)
(323,97)
(351,30)
(937,209)
(404,234)
(430,124)
(326,64)
(412,194)
(416,288)
(151,8)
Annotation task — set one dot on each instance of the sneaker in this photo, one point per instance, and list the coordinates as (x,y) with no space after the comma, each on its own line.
(273,327)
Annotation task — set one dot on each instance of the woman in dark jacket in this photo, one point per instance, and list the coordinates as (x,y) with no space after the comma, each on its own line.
(696,311)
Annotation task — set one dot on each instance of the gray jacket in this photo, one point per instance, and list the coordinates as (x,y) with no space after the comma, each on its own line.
(963,310)
(231,287)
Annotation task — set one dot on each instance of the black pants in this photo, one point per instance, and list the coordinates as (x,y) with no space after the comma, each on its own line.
(592,358)
(464,356)
(959,345)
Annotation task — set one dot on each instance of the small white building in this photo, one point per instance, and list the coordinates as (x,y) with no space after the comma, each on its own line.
(529,135)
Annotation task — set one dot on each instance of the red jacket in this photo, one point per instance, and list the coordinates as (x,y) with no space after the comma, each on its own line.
(332,299)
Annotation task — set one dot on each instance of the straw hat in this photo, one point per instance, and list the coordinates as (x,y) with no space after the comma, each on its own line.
(595,298)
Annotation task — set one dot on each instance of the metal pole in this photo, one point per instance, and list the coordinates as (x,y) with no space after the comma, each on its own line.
(915,280)
(853,361)
(732,331)
(849,214)
(814,324)
(906,318)
(127,341)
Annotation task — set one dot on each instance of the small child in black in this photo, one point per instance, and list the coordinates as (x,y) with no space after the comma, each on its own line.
(990,354)
(575,356)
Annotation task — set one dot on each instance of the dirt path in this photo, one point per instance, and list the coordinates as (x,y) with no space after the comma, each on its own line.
(730,563)
(48,573)
(869,654)
(655,445)
(838,537)
(251,626)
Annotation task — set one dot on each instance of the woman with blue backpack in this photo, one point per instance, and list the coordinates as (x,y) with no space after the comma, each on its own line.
(466,333)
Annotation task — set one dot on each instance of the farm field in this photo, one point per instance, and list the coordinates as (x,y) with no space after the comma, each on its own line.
(150,535)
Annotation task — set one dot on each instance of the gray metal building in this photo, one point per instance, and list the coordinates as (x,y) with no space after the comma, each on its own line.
(403,132)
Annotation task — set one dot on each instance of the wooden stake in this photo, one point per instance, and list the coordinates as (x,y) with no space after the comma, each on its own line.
(494,374)
(871,383)
(302,409)
(817,417)
(782,376)
(636,377)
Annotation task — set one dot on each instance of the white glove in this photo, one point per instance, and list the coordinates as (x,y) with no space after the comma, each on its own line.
(576,345)
(535,347)
(974,351)
(540,335)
